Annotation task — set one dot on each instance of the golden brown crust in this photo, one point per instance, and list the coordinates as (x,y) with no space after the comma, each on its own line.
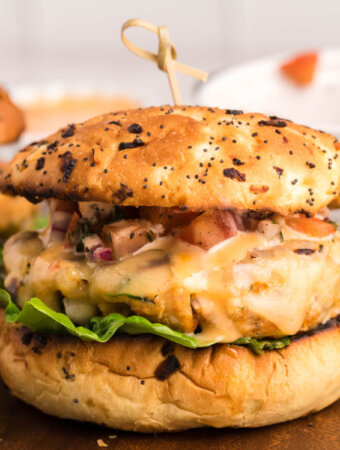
(197,157)
(12,121)
(148,384)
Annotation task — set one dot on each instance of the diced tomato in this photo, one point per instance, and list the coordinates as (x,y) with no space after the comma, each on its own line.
(169,218)
(54,266)
(311,226)
(126,237)
(209,229)
(301,69)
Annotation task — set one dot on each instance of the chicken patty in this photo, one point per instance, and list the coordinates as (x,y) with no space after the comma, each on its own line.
(219,274)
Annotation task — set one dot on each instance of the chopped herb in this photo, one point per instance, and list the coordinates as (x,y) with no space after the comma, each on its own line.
(281,237)
(304,251)
(259,346)
(40,163)
(134,144)
(83,230)
(135,128)
(237,162)
(150,235)
(68,376)
(273,123)
(278,170)
(132,296)
(234,112)
(69,132)
(234,174)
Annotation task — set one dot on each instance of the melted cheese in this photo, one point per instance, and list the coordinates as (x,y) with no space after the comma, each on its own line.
(285,286)
(245,286)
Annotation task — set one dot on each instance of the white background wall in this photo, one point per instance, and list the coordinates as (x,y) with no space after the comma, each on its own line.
(64,40)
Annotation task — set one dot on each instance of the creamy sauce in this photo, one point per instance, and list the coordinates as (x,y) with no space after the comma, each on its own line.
(245,286)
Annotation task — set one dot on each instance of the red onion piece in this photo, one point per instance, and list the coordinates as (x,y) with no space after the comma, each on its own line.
(61,220)
(95,249)
(104,253)
(59,225)
(238,220)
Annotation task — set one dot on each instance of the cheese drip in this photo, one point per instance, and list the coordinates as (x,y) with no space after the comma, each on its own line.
(244,286)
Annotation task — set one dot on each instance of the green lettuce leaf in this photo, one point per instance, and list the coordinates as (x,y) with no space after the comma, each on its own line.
(39,317)
(258,346)
(36,315)
(40,221)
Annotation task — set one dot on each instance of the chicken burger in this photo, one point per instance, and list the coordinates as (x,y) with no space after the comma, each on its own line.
(189,275)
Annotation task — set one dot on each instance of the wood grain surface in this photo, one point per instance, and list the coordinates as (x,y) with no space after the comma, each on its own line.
(24,428)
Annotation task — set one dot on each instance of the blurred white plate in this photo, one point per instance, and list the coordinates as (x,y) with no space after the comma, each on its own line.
(259,86)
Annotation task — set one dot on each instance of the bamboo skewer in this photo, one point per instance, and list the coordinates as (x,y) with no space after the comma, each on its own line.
(166,58)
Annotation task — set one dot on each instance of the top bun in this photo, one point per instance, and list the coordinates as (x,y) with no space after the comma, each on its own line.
(196,157)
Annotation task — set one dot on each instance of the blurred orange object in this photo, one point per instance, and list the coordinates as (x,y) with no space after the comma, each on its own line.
(12,121)
(47,115)
(301,69)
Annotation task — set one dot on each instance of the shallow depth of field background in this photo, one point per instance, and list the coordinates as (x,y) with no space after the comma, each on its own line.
(79,40)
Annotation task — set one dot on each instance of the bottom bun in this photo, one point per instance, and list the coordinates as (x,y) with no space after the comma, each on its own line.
(145,383)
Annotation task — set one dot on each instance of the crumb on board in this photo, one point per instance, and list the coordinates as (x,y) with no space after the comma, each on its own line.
(112,436)
(101,443)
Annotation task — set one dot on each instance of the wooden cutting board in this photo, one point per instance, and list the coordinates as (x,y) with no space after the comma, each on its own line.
(24,428)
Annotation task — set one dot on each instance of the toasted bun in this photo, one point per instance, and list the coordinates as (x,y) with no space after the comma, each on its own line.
(197,157)
(147,384)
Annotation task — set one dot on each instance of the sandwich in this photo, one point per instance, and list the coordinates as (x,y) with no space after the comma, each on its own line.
(189,275)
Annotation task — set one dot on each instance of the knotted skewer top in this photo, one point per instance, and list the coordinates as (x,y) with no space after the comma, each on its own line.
(166,58)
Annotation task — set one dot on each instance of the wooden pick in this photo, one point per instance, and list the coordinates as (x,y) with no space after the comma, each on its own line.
(166,58)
